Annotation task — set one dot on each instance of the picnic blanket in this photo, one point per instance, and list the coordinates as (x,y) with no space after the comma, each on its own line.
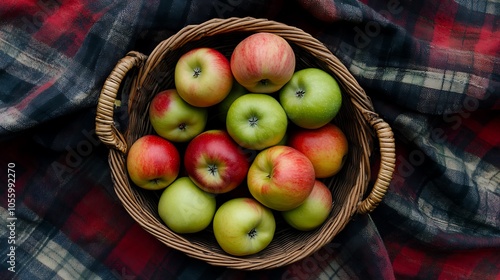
(431,69)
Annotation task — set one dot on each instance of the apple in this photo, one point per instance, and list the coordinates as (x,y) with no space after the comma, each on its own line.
(175,119)
(256,121)
(326,147)
(281,178)
(312,98)
(203,77)
(263,62)
(185,208)
(243,226)
(153,162)
(215,162)
(313,212)
(222,107)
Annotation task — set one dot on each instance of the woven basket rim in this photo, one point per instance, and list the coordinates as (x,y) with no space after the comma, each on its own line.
(117,141)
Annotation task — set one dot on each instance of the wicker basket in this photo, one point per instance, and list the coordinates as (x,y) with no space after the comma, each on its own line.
(137,78)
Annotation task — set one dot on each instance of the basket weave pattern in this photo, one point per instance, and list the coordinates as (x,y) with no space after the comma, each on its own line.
(154,73)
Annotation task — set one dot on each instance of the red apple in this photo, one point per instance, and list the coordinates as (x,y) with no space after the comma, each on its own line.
(326,147)
(281,178)
(203,77)
(314,211)
(153,162)
(214,162)
(263,62)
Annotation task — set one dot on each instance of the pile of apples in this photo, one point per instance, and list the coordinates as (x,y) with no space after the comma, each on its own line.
(268,144)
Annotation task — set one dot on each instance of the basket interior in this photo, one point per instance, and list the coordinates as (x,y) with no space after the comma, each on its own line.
(288,244)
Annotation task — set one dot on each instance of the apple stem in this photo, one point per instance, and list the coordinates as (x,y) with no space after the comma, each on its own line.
(197,72)
(252,233)
(264,82)
(300,93)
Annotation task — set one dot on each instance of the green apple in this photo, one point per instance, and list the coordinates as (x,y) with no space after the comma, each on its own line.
(175,119)
(243,226)
(256,121)
(312,98)
(185,208)
(313,212)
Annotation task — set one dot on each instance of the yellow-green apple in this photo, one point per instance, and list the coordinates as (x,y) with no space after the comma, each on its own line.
(313,212)
(312,98)
(203,77)
(222,107)
(263,62)
(326,147)
(256,121)
(185,208)
(281,178)
(175,119)
(243,226)
(153,162)
(215,162)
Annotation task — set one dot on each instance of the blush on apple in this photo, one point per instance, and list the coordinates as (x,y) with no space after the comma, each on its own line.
(281,178)
(153,162)
(203,77)
(263,62)
(326,147)
(314,211)
(215,162)
(175,119)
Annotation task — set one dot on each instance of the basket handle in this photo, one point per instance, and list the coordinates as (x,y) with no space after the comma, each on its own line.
(387,164)
(105,128)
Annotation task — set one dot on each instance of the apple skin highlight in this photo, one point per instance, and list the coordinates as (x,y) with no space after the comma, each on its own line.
(281,178)
(326,147)
(243,226)
(214,162)
(263,62)
(153,162)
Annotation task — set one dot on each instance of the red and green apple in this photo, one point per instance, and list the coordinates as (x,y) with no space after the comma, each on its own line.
(263,62)
(281,178)
(153,162)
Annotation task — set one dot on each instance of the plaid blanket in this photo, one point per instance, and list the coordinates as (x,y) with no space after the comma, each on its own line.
(431,69)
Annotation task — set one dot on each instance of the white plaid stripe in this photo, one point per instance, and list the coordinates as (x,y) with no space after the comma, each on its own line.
(476,179)
(13,119)
(62,262)
(431,78)
(77,78)
(482,6)
(29,56)
(417,128)
(43,258)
